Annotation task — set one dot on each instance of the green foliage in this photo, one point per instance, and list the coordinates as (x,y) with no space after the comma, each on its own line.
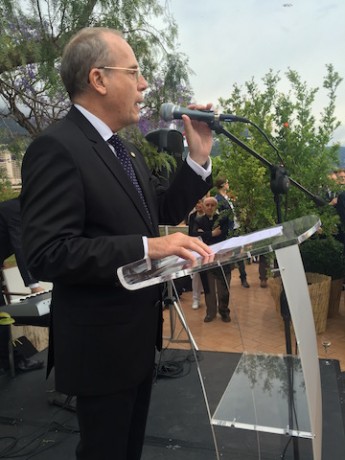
(156,161)
(323,255)
(303,144)
(4,186)
(222,218)
(34,33)
(6,191)
(17,146)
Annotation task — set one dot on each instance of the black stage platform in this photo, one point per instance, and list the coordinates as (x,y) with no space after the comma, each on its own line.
(178,426)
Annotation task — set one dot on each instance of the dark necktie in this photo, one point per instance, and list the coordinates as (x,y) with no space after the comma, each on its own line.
(126,163)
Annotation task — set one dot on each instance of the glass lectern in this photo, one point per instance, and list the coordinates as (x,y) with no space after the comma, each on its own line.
(276,394)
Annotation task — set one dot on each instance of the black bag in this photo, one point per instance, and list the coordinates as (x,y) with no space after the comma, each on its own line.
(22,348)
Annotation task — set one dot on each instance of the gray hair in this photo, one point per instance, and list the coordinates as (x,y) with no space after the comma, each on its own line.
(86,49)
(210,199)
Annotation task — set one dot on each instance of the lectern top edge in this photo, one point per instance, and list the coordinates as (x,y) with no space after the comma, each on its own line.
(144,273)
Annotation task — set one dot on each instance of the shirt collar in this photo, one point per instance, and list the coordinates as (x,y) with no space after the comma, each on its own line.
(96,122)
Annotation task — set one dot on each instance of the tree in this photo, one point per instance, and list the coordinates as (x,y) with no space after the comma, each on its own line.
(303,144)
(33,34)
(170,84)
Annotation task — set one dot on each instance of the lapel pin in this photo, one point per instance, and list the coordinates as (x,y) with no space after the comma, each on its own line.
(132,154)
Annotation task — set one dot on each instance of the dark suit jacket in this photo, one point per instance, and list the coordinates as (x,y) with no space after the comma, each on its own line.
(82,219)
(224,205)
(11,237)
(206,225)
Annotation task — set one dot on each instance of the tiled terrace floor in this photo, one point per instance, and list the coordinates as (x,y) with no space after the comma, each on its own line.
(255,327)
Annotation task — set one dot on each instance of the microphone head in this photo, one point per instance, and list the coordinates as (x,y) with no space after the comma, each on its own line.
(167,111)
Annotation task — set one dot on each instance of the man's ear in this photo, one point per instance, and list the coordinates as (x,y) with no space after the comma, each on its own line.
(97,81)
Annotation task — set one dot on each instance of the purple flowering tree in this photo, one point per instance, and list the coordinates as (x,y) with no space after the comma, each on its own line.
(33,35)
(162,89)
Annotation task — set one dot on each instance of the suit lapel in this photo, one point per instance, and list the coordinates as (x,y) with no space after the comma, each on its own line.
(107,156)
(140,171)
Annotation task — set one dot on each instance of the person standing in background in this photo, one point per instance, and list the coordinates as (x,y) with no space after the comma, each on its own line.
(212,229)
(225,204)
(337,200)
(11,244)
(197,286)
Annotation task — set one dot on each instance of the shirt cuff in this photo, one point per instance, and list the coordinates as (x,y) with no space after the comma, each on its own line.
(146,247)
(203,171)
(146,251)
(34,285)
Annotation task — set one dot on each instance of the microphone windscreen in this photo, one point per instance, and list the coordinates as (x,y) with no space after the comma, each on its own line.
(167,111)
(169,140)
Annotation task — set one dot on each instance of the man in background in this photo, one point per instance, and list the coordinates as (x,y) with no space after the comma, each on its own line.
(197,286)
(11,244)
(212,228)
(226,205)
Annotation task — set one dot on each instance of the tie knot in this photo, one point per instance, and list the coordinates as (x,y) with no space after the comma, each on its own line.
(116,142)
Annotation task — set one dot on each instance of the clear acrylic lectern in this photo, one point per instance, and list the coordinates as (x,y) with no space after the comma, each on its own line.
(276,394)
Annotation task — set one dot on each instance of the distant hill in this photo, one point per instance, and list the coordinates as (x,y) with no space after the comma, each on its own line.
(7,126)
(342,157)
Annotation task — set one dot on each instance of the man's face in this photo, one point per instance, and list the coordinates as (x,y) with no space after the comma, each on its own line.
(124,89)
(341,177)
(210,208)
(199,206)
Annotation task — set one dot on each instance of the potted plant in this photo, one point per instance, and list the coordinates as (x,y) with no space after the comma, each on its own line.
(325,255)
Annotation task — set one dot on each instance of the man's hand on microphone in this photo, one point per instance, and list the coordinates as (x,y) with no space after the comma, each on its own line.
(198,135)
(177,244)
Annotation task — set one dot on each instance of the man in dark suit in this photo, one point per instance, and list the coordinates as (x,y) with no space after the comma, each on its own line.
(213,228)
(11,244)
(225,205)
(83,218)
(11,241)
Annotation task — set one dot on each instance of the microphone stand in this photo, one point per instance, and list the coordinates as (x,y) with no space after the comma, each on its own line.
(277,172)
(280,183)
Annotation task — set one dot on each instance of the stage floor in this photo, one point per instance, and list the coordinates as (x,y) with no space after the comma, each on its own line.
(178,425)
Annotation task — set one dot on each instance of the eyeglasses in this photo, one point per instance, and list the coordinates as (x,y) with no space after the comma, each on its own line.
(136,71)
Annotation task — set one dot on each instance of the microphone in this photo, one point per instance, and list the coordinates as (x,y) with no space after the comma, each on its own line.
(169,112)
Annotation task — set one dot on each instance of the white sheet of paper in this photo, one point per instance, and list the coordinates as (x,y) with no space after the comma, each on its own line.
(243,240)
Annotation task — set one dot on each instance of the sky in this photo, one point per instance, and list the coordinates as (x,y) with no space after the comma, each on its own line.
(228,41)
